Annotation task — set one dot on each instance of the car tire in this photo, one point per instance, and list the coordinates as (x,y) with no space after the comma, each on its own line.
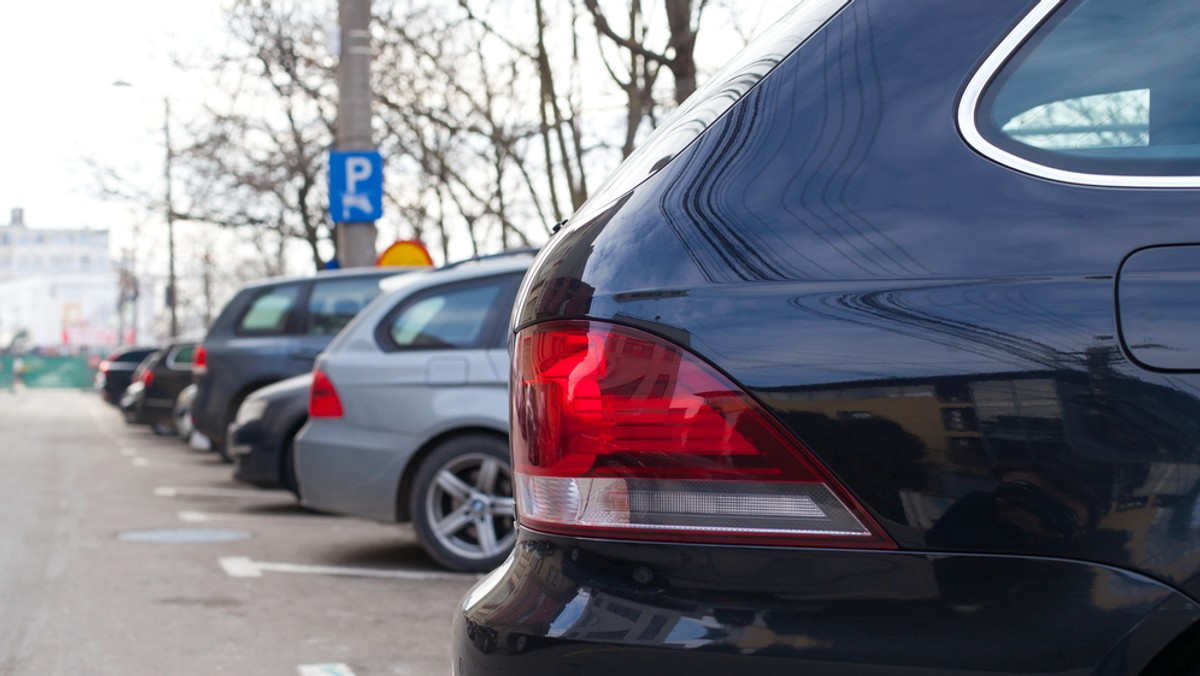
(462,503)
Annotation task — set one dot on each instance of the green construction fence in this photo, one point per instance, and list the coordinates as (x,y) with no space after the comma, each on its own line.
(46,371)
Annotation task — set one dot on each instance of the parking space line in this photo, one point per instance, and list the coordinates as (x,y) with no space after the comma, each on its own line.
(325,670)
(241,566)
(201,491)
(193,516)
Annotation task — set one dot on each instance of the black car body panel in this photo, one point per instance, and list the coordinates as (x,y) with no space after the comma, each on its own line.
(565,606)
(258,445)
(942,332)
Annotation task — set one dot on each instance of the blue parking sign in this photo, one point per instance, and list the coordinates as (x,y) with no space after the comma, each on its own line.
(355,186)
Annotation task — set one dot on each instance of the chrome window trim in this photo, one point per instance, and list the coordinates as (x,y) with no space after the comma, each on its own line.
(969,104)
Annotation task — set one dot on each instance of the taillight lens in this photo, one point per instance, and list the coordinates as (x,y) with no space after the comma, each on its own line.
(323,400)
(619,433)
(147,377)
(200,361)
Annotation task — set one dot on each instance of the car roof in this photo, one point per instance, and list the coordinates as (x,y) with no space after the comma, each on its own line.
(334,274)
(473,268)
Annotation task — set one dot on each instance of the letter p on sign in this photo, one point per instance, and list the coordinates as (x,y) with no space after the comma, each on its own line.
(355,186)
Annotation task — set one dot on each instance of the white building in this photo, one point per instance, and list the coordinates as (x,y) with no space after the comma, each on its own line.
(60,289)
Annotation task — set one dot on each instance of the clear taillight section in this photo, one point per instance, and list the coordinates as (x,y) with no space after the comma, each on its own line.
(200,361)
(619,433)
(323,400)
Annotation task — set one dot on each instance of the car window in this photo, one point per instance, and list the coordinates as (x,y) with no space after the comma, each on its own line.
(447,318)
(1104,87)
(270,311)
(182,356)
(133,356)
(334,303)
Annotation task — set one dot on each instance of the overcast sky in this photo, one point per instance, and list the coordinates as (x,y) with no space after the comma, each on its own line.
(58,61)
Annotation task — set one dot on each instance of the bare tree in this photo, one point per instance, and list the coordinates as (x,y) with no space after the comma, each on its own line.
(259,162)
(642,62)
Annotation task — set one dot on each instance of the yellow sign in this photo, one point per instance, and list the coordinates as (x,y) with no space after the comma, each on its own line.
(405,252)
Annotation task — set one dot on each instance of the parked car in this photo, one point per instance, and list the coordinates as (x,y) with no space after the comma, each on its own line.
(408,417)
(262,434)
(116,371)
(271,330)
(182,414)
(880,357)
(158,380)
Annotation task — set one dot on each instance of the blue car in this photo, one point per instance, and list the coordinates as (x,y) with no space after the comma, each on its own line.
(882,356)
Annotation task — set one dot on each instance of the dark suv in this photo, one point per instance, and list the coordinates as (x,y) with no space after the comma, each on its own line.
(881,357)
(271,330)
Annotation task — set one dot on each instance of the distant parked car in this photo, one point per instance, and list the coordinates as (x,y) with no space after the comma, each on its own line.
(408,418)
(261,436)
(271,330)
(150,398)
(116,371)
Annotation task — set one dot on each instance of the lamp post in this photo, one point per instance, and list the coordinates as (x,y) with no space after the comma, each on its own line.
(355,241)
(169,209)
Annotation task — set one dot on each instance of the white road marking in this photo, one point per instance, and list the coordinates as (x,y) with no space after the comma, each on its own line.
(201,491)
(241,566)
(141,462)
(192,516)
(325,670)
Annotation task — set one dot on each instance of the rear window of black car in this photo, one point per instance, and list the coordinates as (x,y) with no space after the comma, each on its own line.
(182,355)
(1104,87)
(269,312)
(334,303)
(131,357)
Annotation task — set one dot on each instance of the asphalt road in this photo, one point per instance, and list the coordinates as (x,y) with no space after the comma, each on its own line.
(304,594)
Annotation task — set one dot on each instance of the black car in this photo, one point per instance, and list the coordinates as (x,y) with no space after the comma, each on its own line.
(261,436)
(881,357)
(271,330)
(158,380)
(116,371)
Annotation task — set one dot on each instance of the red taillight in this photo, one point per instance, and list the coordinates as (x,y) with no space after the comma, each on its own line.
(323,400)
(104,366)
(147,377)
(200,361)
(619,433)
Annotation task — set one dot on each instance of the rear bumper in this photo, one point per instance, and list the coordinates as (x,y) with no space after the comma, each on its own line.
(569,606)
(344,469)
